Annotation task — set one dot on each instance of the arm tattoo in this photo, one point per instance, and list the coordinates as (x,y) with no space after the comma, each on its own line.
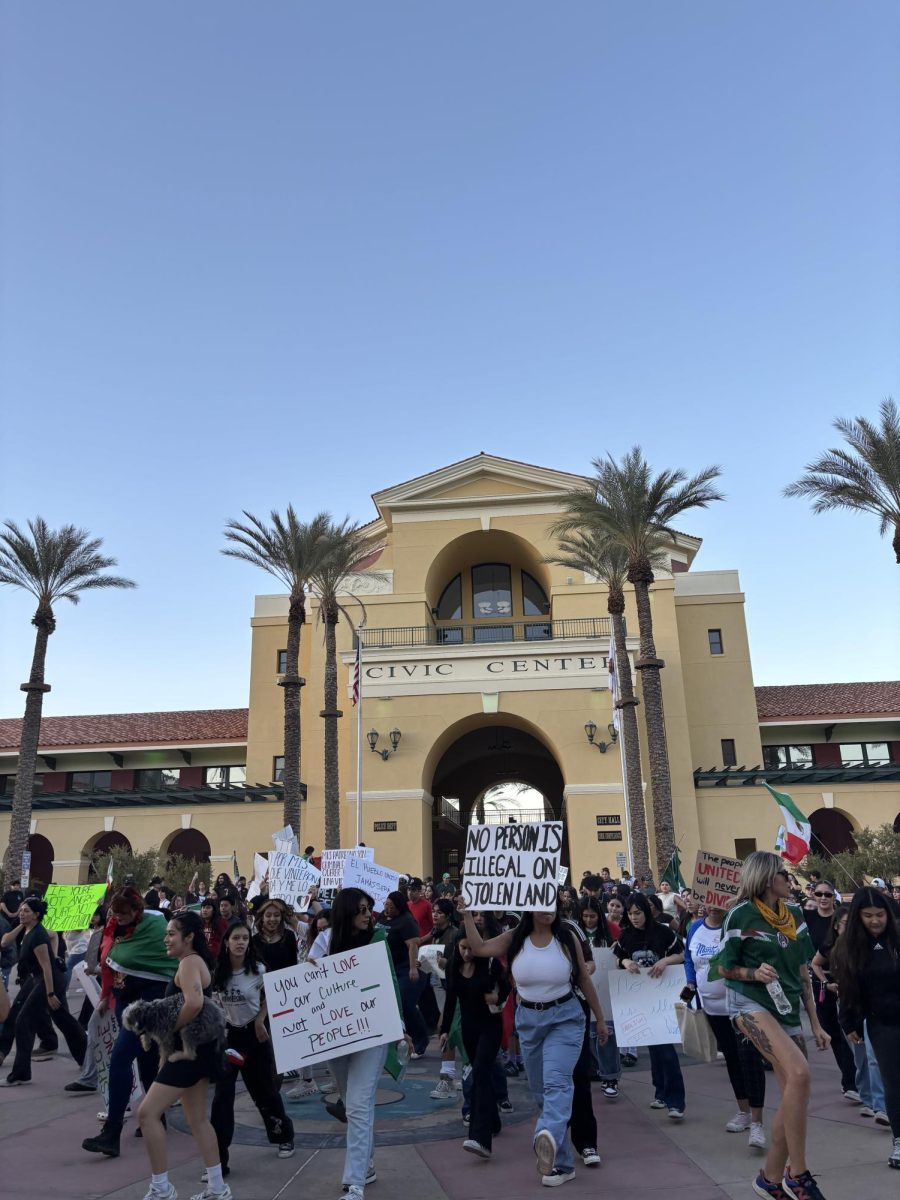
(751,1029)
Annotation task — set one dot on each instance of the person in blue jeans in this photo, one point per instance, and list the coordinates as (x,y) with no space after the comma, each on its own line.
(645,944)
(546,962)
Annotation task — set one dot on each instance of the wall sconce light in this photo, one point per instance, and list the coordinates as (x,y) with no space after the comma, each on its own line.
(591,730)
(372,739)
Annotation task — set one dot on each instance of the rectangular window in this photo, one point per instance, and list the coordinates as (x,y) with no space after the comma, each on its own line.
(868,754)
(157,779)
(8,785)
(780,758)
(278,768)
(729,754)
(225,776)
(91,781)
(715,641)
(282,662)
(743,847)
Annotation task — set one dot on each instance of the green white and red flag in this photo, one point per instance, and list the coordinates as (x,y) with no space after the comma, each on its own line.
(797,830)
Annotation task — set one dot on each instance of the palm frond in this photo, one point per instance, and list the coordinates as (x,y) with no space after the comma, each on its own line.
(54,564)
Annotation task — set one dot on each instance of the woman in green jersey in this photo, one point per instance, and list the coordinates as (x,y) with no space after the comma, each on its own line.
(763,956)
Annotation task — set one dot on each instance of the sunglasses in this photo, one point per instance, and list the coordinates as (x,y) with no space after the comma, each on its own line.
(363,910)
(824,895)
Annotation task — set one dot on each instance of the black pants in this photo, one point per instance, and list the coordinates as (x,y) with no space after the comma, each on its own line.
(742,1061)
(827,1009)
(583,1123)
(428,1005)
(33,1012)
(482,1041)
(885,1041)
(259,1076)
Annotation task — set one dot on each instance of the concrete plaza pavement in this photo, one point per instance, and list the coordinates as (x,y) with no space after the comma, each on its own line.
(419,1154)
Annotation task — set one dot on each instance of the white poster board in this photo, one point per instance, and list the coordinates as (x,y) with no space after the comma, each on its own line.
(291,877)
(717,879)
(107,1030)
(260,868)
(333,864)
(512,866)
(344,1003)
(562,876)
(605,962)
(428,960)
(374,880)
(643,1008)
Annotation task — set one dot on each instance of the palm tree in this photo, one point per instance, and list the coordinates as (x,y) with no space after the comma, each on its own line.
(592,551)
(866,477)
(51,564)
(292,551)
(346,549)
(633,507)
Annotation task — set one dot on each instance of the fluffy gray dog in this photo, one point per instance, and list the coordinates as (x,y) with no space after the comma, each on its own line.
(154,1021)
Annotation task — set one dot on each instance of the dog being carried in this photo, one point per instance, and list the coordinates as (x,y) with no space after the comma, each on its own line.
(154,1021)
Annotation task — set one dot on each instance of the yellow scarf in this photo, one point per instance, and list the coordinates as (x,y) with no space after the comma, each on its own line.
(779,918)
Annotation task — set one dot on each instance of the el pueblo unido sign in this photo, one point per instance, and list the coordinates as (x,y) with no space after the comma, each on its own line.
(512,866)
(343,1003)
(333,864)
(717,879)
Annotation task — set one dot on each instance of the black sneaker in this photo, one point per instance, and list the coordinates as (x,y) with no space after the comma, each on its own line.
(611,1089)
(557,1177)
(81,1089)
(629,1060)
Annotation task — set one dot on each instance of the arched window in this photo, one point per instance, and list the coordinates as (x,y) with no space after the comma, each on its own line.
(534,598)
(491,591)
(449,606)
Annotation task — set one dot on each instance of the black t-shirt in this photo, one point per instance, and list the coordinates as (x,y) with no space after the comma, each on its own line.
(648,945)
(818,927)
(399,931)
(277,955)
(28,961)
(12,900)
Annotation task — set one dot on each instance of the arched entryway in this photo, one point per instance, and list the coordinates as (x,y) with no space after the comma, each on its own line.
(190,844)
(94,851)
(478,760)
(832,831)
(42,854)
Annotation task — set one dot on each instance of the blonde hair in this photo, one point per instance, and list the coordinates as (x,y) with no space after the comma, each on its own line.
(757,873)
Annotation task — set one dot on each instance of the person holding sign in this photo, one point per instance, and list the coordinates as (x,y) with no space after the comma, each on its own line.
(42,993)
(765,949)
(357,1073)
(645,943)
(547,964)
(238,983)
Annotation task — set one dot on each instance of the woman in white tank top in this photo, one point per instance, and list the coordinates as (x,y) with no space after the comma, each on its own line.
(547,964)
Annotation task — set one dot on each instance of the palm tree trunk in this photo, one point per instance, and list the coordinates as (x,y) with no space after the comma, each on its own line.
(331,714)
(655,721)
(20,825)
(640,842)
(292,683)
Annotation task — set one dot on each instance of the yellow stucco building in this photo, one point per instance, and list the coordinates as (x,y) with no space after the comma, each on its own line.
(486,663)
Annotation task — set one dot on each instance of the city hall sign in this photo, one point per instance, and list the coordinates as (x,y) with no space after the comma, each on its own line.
(476,668)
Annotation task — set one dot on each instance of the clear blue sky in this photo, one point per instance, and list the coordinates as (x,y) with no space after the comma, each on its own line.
(261,253)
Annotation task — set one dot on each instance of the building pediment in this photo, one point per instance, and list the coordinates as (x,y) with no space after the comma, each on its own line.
(476,480)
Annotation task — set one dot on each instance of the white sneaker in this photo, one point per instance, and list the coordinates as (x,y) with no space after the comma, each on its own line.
(476,1148)
(208,1194)
(757,1138)
(881,1118)
(657,1104)
(444,1089)
(676,1114)
(590,1157)
(739,1123)
(894,1160)
(865,1111)
(303,1090)
(166,1193)
(354,1192)
(853,1096)
(545,1149)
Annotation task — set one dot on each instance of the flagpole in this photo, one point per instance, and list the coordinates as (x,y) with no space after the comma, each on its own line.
(621,741)
(359,737)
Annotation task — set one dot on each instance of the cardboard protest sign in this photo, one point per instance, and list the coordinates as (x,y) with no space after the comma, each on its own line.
(346,1002)
(374,880)
(290,879)
(428,960)
(71,906)
(286,840)
(260,867)
(106,1028)
(643,1008)
(512,866)
(605,962)
(333,864)
(717,879)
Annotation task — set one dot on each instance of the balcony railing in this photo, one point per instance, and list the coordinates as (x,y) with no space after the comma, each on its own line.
(449,811)
(532,630)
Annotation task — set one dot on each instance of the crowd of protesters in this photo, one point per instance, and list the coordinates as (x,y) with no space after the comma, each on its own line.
(504,993)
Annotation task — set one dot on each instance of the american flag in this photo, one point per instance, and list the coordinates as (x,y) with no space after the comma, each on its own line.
(356,671)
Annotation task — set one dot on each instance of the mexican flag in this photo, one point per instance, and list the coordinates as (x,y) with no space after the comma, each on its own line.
(797,830)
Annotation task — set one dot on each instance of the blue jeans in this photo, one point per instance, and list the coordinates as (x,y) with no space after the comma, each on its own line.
(72,961)
(665,1071)
(550,1040)
(126,1049)
(868,1076)
(357,1076)
(606,1058)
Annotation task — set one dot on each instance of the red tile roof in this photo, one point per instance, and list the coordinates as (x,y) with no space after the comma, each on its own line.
(806,700)
(131,729)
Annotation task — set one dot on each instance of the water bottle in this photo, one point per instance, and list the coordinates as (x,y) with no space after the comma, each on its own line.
(776,991)
(403,1057)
